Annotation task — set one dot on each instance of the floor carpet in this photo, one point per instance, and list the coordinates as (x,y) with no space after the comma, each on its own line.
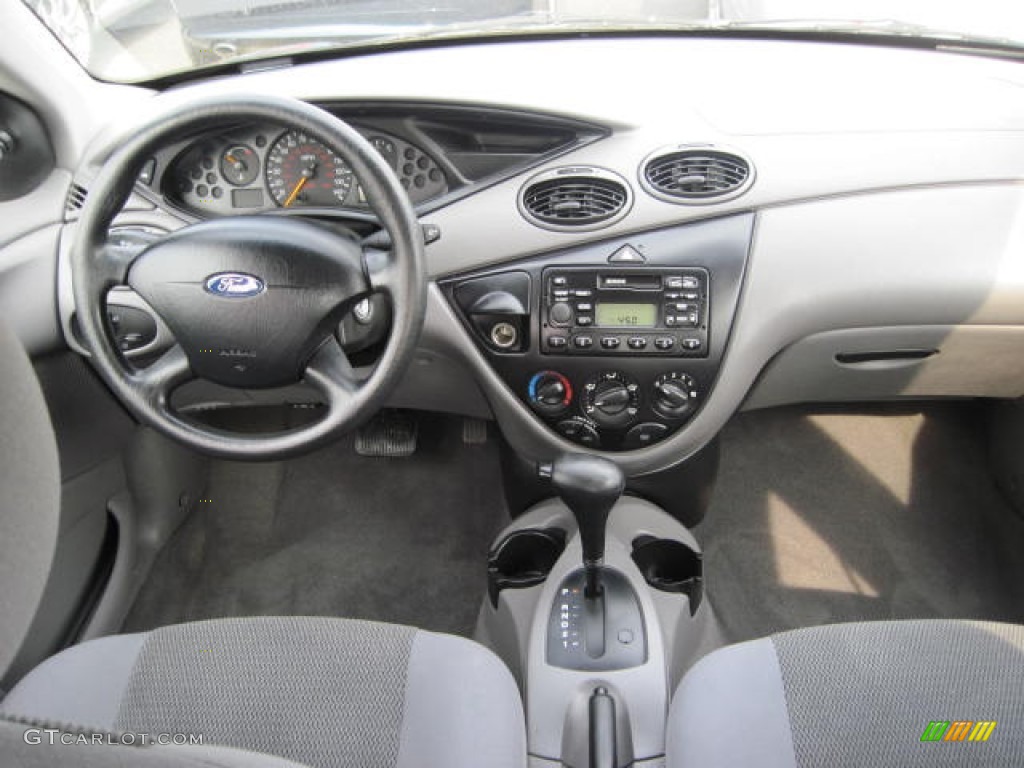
(337,534)
(823,515)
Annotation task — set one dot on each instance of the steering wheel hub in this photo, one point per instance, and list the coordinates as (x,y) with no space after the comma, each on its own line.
(251,298)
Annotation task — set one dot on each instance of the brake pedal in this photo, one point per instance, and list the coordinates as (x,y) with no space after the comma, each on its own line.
(390,434)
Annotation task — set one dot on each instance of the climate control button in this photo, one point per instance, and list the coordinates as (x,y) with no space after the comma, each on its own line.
(611,399)
(549,392)
(675,395)
(579,431)
(643,435)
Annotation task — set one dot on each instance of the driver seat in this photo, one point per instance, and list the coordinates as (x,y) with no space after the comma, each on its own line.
(313,691)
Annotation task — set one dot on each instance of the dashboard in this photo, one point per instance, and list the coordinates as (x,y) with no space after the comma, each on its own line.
(872,217)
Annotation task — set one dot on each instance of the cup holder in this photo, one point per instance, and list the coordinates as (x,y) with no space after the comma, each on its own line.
(670,566)
(523,559)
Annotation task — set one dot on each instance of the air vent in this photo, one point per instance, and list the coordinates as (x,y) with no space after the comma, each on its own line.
(575,199)
(75,199)
(696,174)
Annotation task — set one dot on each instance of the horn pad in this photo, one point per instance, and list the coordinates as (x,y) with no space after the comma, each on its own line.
(251,298)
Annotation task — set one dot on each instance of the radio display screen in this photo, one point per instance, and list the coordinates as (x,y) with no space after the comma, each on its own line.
(626,315)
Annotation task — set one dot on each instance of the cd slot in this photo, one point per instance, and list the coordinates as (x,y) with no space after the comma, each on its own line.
(629,282)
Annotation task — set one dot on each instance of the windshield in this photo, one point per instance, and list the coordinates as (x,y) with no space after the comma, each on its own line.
(138,40)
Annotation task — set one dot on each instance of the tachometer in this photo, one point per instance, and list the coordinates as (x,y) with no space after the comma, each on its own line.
(302,171)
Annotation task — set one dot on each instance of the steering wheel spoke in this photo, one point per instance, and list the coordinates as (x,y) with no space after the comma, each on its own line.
(156,381)
(380,269)
(331,373)
(115,257)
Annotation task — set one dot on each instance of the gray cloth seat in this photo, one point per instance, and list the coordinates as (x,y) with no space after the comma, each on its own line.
(319,692)
(867,694)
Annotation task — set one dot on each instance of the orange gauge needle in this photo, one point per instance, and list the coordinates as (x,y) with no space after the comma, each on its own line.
(295,191)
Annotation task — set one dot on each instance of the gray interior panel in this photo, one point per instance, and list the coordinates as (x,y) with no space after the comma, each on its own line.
(903,361)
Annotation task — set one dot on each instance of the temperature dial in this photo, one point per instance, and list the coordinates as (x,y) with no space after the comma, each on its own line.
(550,392)
(611,399)
(675,395)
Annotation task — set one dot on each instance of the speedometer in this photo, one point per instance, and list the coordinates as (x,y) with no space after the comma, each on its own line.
(302,171)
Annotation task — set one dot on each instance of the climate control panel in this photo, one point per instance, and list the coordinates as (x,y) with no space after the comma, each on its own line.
(612,409)
(612,354)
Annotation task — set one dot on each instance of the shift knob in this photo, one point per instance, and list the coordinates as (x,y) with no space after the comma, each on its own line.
(589,486)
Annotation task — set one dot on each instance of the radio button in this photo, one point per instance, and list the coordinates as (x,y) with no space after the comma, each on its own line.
(686,307)
(674,283)
(690,344)
(583,342)
(560,280)
(557,342)
(584,306)
(673,295)
(610,342)
(690,282)
(584,320)
(560,313)
(560,293)
(690,296)
(583,293)
(664,342)
(637,342)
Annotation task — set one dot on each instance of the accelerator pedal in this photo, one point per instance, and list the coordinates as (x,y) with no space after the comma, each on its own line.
(390,434)
(474,431)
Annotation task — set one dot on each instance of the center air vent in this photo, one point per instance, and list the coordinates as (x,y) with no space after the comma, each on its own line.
(696,174)
(575,198)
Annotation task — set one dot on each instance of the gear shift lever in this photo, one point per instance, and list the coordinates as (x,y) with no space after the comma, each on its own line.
(589,486)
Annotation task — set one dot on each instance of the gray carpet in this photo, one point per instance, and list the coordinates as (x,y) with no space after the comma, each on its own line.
(822,516)
(336,534)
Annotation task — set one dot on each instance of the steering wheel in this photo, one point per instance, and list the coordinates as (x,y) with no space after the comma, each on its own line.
(252,301)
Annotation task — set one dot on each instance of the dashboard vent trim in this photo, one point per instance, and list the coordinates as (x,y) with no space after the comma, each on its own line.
(76,198)
(696,174)
(575,199)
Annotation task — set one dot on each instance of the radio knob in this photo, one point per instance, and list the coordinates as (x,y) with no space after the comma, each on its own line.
(675,395)
(560,313)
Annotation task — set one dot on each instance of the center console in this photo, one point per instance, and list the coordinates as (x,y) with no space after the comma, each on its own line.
(614,345)
(596,605)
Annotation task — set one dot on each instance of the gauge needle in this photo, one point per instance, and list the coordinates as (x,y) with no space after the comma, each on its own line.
(307,173)
(295,191)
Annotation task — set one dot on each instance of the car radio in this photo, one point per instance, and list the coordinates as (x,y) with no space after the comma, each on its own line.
(635,311)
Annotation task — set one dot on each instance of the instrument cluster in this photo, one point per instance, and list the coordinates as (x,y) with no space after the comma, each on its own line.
(260,168)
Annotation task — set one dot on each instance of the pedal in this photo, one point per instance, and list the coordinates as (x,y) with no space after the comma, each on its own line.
(390,434)
(474,431)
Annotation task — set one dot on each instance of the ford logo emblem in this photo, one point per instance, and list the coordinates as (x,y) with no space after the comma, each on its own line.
(234,285)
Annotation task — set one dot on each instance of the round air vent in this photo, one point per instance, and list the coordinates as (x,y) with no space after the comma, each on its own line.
(575,198)
(696,174)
